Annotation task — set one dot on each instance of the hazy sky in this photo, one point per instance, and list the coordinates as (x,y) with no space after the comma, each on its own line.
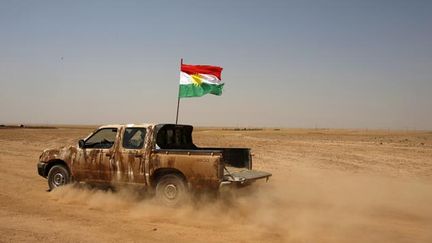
(345,64)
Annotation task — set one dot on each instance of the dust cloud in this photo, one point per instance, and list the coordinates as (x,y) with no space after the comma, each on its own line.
(310,206)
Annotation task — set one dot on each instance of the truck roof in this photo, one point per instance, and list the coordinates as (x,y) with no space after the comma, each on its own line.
(127,125)
(140,125)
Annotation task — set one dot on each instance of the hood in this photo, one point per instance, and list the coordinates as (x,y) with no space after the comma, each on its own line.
(61,153)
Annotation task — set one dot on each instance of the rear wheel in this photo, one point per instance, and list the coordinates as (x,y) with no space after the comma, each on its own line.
(171,190)
(58,176)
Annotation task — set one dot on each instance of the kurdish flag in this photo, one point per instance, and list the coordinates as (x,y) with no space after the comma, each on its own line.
(198,80)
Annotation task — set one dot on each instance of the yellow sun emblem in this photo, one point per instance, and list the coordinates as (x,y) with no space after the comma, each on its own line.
(196,79)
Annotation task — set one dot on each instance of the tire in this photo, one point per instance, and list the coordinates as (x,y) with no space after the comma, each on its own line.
(58,176)
(171,190)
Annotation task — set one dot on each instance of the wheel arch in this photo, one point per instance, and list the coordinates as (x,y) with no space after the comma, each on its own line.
(54,162)
(158,173)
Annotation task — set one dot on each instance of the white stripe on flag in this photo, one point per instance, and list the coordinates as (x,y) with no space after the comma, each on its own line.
(206,78)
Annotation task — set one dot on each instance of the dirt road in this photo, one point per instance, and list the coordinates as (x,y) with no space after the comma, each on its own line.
(327,186)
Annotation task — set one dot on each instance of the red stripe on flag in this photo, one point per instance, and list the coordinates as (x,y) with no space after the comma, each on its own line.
(203,69)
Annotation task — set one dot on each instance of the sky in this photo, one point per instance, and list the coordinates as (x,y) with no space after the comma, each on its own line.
(306,64)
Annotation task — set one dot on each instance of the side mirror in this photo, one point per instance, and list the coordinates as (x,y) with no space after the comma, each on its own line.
(81,143)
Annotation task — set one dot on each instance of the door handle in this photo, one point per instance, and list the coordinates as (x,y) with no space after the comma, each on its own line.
(108,154)
(138,155)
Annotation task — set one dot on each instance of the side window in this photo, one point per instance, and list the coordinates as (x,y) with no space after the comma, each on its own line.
(133,138)
(104,138)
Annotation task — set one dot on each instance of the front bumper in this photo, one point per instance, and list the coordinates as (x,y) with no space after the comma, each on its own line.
(41,169)
(243,177)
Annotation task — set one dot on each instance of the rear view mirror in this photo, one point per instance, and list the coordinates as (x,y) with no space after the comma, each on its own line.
(81,143)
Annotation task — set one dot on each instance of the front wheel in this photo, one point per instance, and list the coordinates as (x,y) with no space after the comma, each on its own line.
(58,175)
(171,190)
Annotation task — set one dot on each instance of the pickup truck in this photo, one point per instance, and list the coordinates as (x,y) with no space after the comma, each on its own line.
(160,157)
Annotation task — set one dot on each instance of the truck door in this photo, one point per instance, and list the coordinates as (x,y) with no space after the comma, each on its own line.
(97,153)
(132,159)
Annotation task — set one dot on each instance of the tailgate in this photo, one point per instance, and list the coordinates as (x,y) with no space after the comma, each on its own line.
(244,175)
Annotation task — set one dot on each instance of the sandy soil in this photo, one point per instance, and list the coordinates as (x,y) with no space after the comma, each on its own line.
(327,186)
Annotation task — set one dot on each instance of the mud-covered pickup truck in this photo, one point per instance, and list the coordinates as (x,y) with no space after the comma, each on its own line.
(159,157)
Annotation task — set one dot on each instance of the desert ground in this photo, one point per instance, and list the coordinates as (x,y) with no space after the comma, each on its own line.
(328,185)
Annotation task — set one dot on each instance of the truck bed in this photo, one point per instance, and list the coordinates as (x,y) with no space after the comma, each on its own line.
(232,157)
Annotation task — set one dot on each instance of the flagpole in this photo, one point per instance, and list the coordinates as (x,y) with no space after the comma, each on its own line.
(178,95)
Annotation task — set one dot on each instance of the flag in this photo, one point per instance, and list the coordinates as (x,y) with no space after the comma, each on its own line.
(198,80)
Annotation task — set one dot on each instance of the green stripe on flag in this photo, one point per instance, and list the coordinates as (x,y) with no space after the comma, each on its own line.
(192,90)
